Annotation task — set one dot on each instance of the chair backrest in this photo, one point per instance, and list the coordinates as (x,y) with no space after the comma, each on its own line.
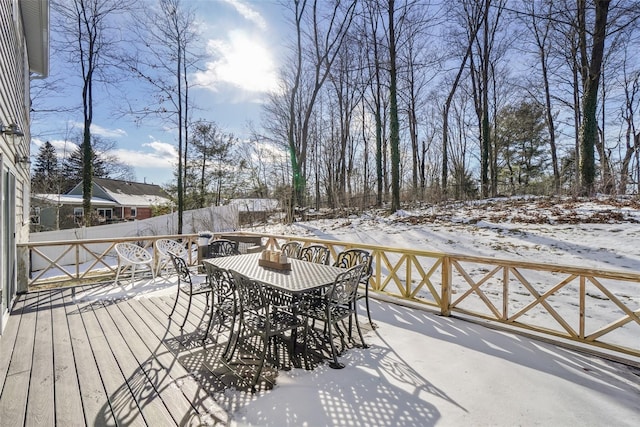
(251,298)
(128,253)
(352,257)
(344,290)
(221,281)
(164,246)
(315,253)
(223,247)
(184,274)
(291,249)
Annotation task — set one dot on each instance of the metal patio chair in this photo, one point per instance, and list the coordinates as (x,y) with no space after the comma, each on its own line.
(352,257)
(315,253)
(223,247)
(291,249)
(261,315)
(336,305)
(189,283)
(224,301)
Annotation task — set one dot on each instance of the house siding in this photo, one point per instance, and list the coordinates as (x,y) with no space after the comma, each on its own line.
(15,106)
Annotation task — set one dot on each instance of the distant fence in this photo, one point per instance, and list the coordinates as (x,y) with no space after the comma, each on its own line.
(213,219)
(593,308)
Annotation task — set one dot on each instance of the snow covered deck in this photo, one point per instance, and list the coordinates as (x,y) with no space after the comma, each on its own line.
(105,355)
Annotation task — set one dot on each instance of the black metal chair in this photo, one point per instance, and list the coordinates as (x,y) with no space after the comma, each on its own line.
(189,283)
(319,254)
(352,257)
(222,247)
(265,318)
(336,305)
(291,249)
(224,304)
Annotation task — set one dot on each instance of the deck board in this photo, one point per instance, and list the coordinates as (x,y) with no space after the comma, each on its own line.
(123,405)
(68,401)
(8,342)
(139,381)
(95,402)
(40,403)
(157,363)
(16,386)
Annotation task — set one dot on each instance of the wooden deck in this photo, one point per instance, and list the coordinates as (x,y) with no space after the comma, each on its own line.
(97,356)
(77,356)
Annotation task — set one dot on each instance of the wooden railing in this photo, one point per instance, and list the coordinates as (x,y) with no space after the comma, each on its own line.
(599,308)
(81,261)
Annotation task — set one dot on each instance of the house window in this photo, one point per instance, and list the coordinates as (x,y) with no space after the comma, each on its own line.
(35,217)
(134,212)
(105,214)
(78,214)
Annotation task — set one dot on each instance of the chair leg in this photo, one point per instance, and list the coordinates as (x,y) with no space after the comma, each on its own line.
(225,354)
(184,322)
(153,272)
(265,348)
(366,300)
(334,352)
(175,303)
(118,273)
(133,274)
(206,331)
(364,345)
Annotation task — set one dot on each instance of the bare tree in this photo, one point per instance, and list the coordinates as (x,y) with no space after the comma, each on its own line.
(89,40)
(327,33)
(474,21)
(167,53)
(540,26)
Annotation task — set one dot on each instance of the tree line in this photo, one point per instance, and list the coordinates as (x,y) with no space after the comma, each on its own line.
(386,101)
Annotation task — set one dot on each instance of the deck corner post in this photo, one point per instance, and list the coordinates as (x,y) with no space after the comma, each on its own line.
(445,299)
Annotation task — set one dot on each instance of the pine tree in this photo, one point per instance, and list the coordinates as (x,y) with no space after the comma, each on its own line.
(72,168)
(46,170)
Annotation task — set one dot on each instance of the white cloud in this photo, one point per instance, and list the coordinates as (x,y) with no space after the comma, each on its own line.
(63,148)
(248,13)
(99,130)
(155,154)
(107,133)
(241,61)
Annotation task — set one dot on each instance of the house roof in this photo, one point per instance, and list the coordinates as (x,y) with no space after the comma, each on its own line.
(128,193)
(35,21)
(69,199)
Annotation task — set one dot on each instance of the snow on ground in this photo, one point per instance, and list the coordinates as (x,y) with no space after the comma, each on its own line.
(423,370)
(599,233)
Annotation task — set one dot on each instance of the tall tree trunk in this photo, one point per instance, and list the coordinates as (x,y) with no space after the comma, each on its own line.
(180,147)
(484,94)
(447,107)
(394,126)
(591,81)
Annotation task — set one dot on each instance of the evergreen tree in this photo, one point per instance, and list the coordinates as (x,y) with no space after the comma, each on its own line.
(522,139)
(46,170)
(105,164)
(72,167)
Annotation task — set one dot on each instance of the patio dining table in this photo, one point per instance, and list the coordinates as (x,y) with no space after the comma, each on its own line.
(303,277)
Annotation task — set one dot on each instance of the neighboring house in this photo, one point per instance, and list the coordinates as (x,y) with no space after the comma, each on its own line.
(113,201)
(24,54)
(61,211)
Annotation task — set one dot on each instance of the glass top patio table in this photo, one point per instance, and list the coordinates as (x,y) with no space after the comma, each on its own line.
(303,277)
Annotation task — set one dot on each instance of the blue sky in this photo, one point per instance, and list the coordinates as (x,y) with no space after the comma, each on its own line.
(243,42)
